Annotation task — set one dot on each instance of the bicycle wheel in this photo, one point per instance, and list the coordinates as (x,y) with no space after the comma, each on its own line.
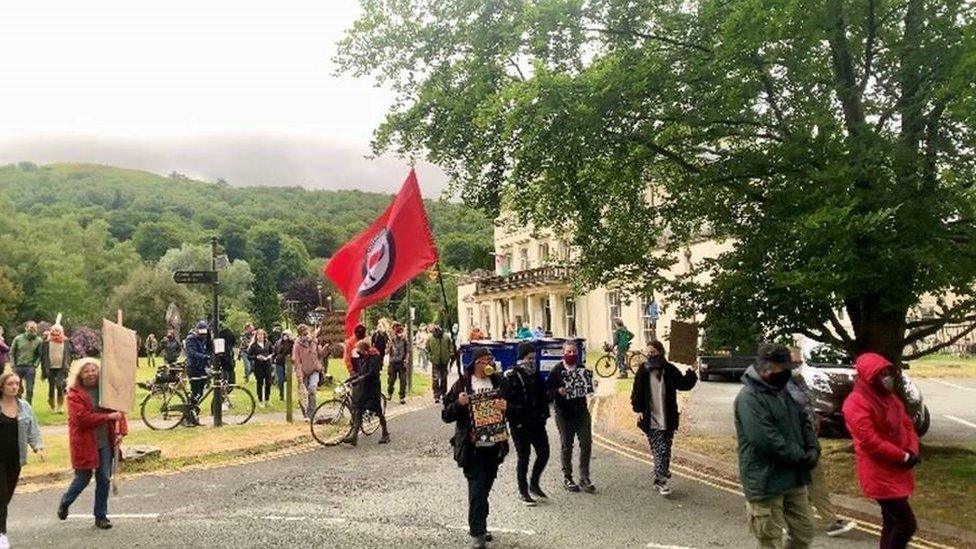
(371,421)
(163,409)
(239,403)
(634,360)
(605,366)
(331,422)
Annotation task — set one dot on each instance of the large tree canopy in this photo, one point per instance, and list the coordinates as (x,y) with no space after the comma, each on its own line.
(830,140)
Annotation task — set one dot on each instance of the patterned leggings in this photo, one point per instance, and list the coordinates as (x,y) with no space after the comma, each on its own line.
(661,448)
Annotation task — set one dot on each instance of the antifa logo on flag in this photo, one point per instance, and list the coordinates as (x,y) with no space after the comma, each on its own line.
(378,263)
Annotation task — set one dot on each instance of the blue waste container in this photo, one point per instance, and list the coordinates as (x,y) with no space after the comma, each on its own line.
(548,352)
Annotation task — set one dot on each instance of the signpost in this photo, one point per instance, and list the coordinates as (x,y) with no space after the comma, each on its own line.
(195,277)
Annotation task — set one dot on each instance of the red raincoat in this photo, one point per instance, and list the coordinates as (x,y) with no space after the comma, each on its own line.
(82,420)
(882,433)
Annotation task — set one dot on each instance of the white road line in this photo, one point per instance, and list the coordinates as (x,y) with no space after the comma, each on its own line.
(962,421)
(332,520)
(494,530)
(653,545)
(953,385)
(120,516)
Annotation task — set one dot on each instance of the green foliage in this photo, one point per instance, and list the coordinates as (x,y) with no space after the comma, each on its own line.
(10,298)
(146,294)
(153,239)
(831,142)
(265,305)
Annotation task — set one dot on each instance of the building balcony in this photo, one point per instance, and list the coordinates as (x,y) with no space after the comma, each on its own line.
(530,278)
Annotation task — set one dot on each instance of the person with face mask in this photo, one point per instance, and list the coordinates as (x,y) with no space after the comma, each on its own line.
(25,351)
(777,450)
(440,349)
(199,352)
(886,447)
(528,412)
(570,386)
(350,353)
(172,347)
(654,398)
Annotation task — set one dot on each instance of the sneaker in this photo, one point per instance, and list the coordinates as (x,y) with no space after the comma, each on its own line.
(663,488)
(840,527)
(62,512)
(4,542)
(527,500)
(352,441)
(569,485)
(385,439)
(587,486)
(103,524)
(537,492)
(622,375)
(403,401)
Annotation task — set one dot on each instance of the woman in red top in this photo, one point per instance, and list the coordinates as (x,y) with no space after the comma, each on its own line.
(885,446)
(93,435)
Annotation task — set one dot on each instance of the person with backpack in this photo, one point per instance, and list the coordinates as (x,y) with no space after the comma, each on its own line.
(528,413)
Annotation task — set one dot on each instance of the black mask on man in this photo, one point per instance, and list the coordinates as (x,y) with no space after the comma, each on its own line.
(779,379)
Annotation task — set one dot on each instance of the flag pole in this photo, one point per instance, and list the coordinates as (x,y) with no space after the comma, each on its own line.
(447,314)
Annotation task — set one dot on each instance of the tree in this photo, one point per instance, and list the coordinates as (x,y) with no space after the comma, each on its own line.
(305,293)
(265,305)
(829,142)
(291,263)
(236,280)
(146,294)
(153,239)
(10,298)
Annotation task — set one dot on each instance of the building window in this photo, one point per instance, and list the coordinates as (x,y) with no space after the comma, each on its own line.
(470,311)
(546,315)
(523,259)
(543,253)
(614,309)
(649,316)
(486,316)
(570,317)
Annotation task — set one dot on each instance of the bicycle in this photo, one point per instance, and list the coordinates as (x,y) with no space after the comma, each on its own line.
(331,422)
(170,404)
(606,365)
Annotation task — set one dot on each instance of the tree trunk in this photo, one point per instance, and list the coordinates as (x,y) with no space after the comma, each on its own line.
(877,329)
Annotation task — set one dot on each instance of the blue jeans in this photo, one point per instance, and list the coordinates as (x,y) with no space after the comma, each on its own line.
(311,385)
(280,380)
(27,373)
(102,477)
(247,366)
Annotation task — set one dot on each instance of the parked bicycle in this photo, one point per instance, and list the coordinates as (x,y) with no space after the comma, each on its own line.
(169,402)
(606,365)
(332,421)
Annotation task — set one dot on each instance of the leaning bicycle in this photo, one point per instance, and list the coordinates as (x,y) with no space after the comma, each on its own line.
(332,421)
(606,365)
(170,404)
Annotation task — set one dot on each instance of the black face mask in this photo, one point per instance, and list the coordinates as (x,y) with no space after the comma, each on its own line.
(780,379)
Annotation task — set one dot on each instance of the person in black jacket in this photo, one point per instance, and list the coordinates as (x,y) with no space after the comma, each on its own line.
(654,399)
(262,353)
(570,385)
(479,460)
(528,411)
(367,391)
(226,359)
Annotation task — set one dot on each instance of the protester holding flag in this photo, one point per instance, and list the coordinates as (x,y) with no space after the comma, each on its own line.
(440,349)
(94,434)
(367,391)
(18,430)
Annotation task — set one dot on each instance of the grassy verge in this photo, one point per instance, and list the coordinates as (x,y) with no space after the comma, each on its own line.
(941,365)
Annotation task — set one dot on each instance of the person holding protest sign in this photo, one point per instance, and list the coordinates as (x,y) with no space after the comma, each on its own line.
(367,391)
(528,412)
(18,430)
(93,434)
(570,385)
(476,404)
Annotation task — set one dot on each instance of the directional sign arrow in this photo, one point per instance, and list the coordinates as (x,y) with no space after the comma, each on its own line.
(195,277)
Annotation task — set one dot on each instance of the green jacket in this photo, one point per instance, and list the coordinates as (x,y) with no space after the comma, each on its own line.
(774,435)
(25,351)
(440,350)
(621,339)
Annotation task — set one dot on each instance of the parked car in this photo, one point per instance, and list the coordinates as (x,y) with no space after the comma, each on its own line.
(729,366)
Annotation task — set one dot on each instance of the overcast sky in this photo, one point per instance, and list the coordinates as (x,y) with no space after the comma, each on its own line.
(239,89)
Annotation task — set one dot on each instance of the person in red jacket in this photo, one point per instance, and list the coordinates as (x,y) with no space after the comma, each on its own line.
(885,446)
(93,435)
(359,334)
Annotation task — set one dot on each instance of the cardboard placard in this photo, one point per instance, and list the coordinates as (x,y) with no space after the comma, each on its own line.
(219,346)
(487,421)
(120,356)
(684,342)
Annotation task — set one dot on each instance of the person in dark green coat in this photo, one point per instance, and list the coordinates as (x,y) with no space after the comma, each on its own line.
(777,450)
(621,341)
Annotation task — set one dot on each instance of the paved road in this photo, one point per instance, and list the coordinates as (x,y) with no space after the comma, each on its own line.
(407,494)
(950,402)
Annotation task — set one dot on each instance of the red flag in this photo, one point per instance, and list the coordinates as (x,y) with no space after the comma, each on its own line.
(393,249)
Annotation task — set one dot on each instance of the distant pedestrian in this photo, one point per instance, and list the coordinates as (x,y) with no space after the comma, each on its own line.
(528,412)
(172,348)
(199,355)
(440,349)
(654,398)
(275,334)
(18,430)
(886,447)
(349,353)
(261,355)
(247,336)
(420,344)
(4,352)
(570,385)
(94,434)
(478,460)
(818,489)
(227,360)
(399,351)
(324,346)
(367,391)
(308,367)
(56,355)
(777,450)
(476,334)
(380,339)
(538,332)
(25,352)
(152,348)
(524,332)
(281,355)
(622,337)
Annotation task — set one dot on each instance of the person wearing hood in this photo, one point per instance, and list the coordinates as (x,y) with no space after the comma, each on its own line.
(25,351)
(349,352)
(367,391)
(570,385)
(528,412)
(440,349)
(478,459)
(886,446)
(777,450)
(654,398)
(199,352)
(55,361)
(308,367)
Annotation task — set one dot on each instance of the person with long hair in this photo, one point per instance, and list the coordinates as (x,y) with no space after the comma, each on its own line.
(261,352)
(367,391)
(18,430)
(94,434)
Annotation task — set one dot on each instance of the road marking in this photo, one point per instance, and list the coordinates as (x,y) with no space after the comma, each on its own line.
(953,385)
(653,545)
(962,421)
(150,516)
(494,530)
(334,520)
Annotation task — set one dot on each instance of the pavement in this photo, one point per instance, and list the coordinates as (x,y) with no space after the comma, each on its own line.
(406,494)
(950,401)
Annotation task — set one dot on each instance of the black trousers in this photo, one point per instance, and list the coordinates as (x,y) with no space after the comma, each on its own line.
(481,470)
(9,474)
(440,379)
(197,387)
(397,370)
(262,377)
(571,429)
(526,439)
(897,523)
